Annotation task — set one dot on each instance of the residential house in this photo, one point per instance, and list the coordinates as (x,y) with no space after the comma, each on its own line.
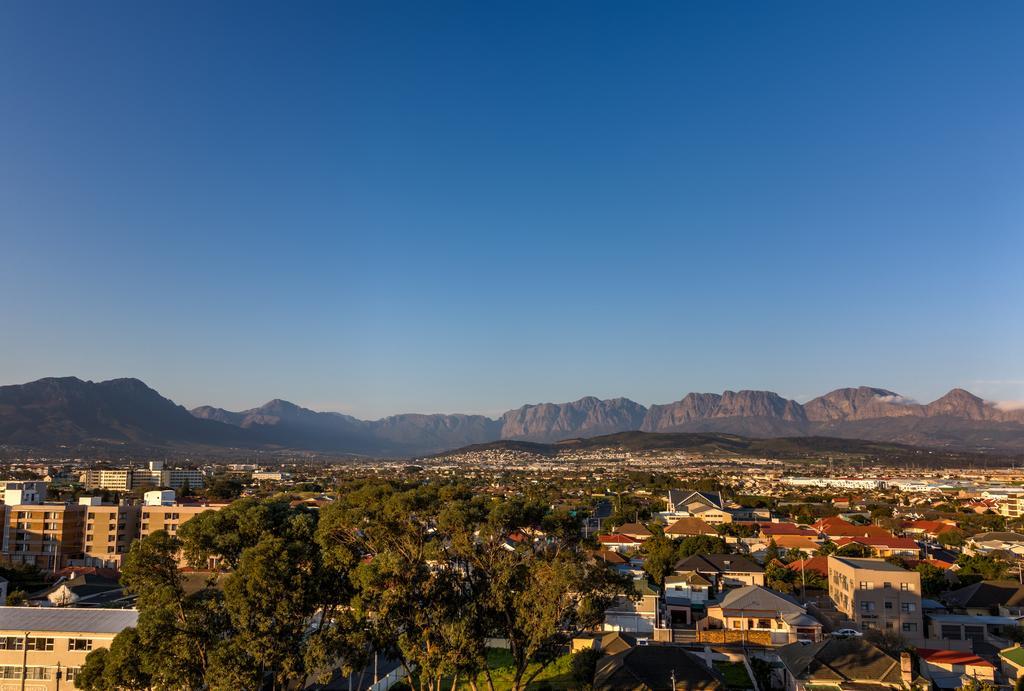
(952,669)
(689,526)
(635,615)
(724,570)
(708,506)
(686,597)
(655,668)
(637,531)
(82,590)
(999,598)
(616,542)
(999,541)
(44,640)
(835,663)
(884,546)
(759,616)
(927,529)
(777,530)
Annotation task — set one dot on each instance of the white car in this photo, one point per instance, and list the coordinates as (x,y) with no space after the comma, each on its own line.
(846,633)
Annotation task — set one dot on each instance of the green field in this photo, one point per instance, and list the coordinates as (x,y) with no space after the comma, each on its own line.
(735,674)
(557,675)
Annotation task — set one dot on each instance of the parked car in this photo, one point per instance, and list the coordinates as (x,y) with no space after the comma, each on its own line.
(846,633)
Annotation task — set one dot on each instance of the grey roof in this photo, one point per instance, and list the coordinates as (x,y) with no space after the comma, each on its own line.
(986,594)
(1003,536)
(679,496)
(868,563)
(833,659)
(757,598)
(33,619)
(718,563)
(650,668)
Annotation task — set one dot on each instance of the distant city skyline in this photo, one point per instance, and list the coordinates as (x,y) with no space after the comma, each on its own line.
(384,209)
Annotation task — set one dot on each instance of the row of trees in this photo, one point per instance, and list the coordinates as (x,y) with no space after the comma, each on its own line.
(423,574)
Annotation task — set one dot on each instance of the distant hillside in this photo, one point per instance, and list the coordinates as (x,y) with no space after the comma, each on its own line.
(125,413)
(729,445)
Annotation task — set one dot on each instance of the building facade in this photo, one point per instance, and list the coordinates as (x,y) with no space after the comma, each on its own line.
(43,648)
(875,594)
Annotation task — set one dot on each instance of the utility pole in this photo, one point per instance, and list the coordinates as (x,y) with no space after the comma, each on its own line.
(24,660)
(673,679)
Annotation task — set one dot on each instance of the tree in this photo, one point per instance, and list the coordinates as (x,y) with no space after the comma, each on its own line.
(826,549)
(951,538)
(984,567)
(933,579)
(702,544)
(888,641)
(772,553)
(584,665)
(853,549)
(224,488)
(781,578)
(660,556)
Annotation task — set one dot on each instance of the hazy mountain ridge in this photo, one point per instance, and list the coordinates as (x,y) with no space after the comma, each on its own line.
(61,411)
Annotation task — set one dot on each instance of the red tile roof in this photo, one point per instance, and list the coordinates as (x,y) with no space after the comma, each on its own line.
(616,539)
(816,564)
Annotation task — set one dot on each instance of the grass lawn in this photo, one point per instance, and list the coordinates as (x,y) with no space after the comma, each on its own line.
(735,674)
(557,675)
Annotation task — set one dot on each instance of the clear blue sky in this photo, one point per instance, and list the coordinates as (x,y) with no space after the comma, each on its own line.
(383,207)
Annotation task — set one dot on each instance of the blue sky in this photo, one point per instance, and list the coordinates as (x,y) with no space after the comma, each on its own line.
(392,207)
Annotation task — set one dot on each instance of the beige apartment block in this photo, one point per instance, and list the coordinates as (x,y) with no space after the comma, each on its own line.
(43,648)
(46,535)
(875,594)
(109,532)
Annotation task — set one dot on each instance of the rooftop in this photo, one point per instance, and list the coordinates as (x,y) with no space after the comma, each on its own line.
(66,619)
(867,563)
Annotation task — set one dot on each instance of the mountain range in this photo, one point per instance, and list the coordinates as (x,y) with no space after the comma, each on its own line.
(68,411)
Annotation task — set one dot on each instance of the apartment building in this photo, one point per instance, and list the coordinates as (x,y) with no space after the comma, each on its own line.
(153,475)
(46,535)
(22,491)
(43,648)
(875,594)
(115,480)
(109,532)
(52,536)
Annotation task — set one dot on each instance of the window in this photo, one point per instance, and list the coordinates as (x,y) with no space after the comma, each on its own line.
(40,644)
(110,550)
(37,673)
(864,585)
(888,604)
(88,538)
(888,584)
(91,515)
(908,607)
(80,644)
(145,526)
(70,673)
(867,607)
(110,538)
(145,514)
(10,672)
(10,643)
(906,586)
(910,627)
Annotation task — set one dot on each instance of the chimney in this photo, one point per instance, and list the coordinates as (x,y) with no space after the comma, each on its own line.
(906,668)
